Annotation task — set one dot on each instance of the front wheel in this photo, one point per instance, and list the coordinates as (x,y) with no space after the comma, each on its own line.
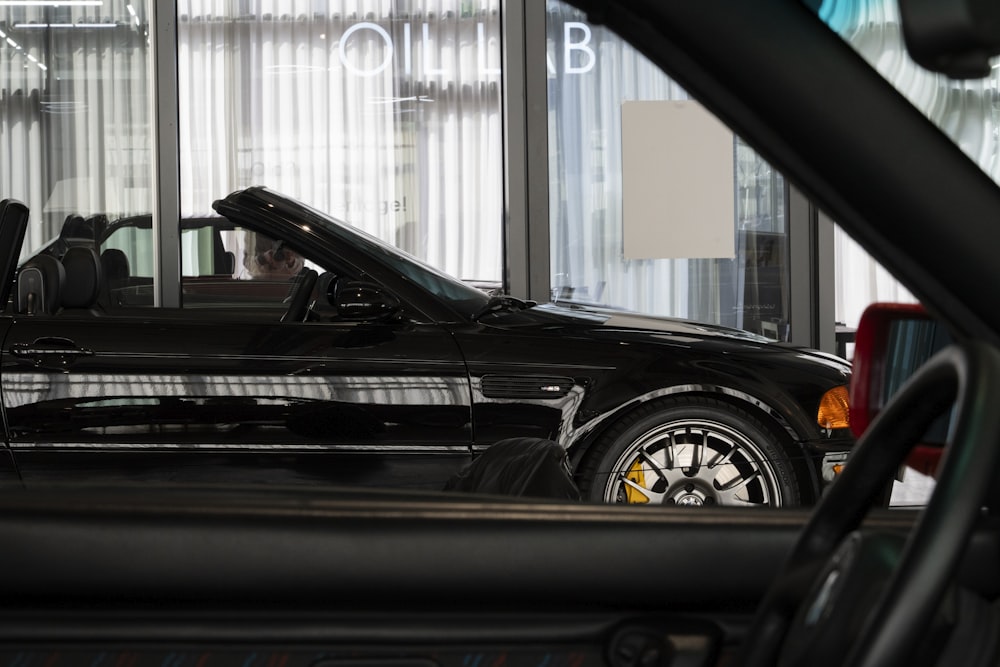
(692,451)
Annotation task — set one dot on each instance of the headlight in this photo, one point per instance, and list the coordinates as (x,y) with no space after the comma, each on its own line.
(834,409)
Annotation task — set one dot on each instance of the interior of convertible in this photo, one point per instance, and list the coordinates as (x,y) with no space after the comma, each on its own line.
(101,267)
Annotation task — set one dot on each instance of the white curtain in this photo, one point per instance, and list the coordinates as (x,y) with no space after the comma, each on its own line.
(74,111)
(384,114)
(591,73)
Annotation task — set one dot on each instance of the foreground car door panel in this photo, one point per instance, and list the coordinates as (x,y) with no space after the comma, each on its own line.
(179,396)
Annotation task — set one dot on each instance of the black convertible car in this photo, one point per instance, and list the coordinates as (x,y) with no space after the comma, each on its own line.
(308,351)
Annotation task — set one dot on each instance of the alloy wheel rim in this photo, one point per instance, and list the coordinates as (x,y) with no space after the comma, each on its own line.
(693,462)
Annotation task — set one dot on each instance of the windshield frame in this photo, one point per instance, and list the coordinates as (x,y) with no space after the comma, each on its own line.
(270,212)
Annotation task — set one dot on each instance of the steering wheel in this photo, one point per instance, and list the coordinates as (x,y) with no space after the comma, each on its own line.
(848,596)
(298,295)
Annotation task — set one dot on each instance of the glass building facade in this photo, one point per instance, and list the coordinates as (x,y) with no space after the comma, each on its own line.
(394,115)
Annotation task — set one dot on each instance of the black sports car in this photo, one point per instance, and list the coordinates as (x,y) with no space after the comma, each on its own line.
(307,351)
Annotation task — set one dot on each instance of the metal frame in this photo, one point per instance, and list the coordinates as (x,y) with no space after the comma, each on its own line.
(167,193)
(526,178)
(527,251)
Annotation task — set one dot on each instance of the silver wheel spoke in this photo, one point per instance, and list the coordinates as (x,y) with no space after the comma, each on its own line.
(739,482)
(697,453)
(694,461)
(668,455)
(638,488)
(653,466)
(722,459)
(729,492)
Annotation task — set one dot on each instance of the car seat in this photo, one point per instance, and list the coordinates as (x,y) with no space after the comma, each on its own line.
(39,286)
(83,279)
(116,272)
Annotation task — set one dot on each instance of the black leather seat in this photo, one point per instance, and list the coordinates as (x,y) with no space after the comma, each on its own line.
(83,279)
(116,270)
(39,286)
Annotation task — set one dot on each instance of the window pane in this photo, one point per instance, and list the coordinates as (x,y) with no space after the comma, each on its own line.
(591,73)
(75,113)
(384,114)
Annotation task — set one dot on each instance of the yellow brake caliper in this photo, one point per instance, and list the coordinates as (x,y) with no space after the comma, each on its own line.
(637,475)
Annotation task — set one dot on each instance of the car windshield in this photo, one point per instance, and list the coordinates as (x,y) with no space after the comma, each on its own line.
(238,431)
(965,110)
(463,297)
(699,310)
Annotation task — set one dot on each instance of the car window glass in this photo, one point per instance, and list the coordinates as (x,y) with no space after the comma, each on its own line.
(136,244)
(459,294)
(230,267)
(964,110)
(221,266)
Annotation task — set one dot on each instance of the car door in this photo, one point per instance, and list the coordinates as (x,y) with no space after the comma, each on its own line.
(13,224)
(223,390)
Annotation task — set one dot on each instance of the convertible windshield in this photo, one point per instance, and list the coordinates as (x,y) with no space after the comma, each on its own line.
(965,110)
(464,298)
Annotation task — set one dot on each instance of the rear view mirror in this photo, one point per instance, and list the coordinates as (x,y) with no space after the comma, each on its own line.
(893,341)
(358,300)
(956,38)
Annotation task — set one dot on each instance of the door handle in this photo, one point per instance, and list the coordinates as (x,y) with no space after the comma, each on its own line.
(50,351)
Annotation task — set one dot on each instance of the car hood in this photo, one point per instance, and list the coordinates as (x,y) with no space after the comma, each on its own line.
(624,320)
(623,325)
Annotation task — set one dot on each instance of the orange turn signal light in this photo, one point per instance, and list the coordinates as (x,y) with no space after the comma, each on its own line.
(834,409)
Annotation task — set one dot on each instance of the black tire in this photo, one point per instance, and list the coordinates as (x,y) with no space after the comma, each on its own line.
(690,451)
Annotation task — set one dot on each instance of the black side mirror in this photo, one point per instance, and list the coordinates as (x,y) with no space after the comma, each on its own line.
(359,300)
(956,38)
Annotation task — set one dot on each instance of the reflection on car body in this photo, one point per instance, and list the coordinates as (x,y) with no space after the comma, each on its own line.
(380,355)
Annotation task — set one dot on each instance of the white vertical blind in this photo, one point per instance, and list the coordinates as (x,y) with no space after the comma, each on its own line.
(385,114)
(74,111)
(591,73)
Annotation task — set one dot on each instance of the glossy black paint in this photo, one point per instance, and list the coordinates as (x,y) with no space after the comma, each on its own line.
(615,366)
(400,396)
(278,402)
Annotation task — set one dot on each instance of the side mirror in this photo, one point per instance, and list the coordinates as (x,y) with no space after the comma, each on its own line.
(892,342)
(359,300)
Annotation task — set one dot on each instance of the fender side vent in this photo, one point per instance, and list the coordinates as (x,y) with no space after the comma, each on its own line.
(525,386)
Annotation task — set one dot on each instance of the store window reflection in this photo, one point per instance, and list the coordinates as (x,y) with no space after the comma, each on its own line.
(591,73)
(75,112)
(386,115)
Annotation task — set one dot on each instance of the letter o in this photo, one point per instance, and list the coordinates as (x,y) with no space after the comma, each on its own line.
(366,26)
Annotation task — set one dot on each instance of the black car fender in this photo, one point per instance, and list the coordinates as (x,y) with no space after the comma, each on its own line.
(787,417)
(576,439)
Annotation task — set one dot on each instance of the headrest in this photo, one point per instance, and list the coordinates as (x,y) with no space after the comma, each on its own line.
(76,230)
(83,277)
(39,283)
(114,263)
